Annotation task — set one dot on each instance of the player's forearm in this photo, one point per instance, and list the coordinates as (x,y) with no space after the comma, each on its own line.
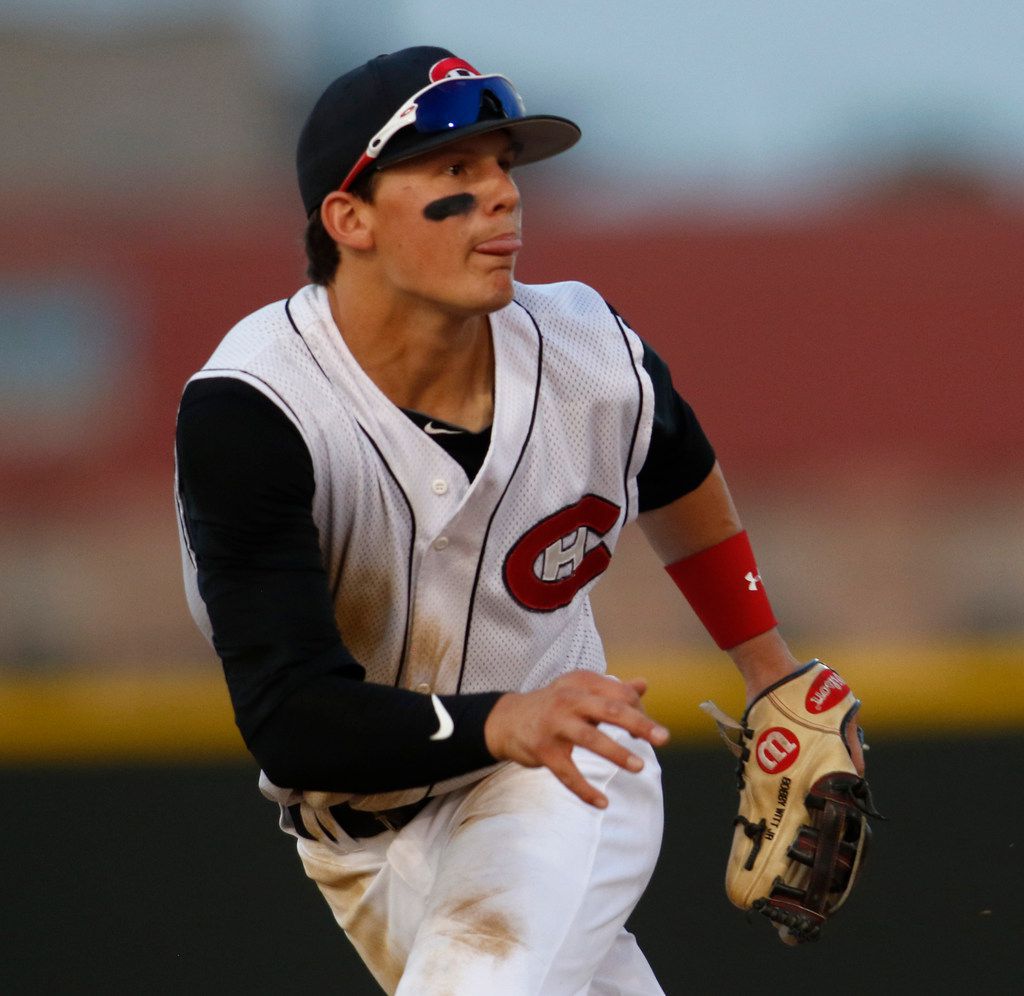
(302,707)
(699,538)
(336,734)
(763,660)
(694,522)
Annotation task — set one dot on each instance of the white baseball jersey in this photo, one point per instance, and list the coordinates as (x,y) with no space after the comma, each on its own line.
(506,883)
(441,584)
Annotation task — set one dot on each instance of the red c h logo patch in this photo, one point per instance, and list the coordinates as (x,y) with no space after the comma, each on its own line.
(549,563)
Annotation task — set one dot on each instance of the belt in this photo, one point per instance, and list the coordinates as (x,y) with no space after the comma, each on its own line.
(360,822)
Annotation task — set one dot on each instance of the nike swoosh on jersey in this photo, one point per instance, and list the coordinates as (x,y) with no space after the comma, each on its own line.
(435,430)
(445,726)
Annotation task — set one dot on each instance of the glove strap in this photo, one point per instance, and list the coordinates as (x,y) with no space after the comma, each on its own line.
(726,724)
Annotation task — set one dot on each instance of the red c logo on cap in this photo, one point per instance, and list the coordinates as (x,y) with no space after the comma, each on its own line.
(451,67)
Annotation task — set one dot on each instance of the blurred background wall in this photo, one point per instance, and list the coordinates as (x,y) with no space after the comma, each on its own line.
(813,210)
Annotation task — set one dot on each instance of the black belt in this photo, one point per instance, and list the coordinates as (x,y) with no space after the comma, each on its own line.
(360,822)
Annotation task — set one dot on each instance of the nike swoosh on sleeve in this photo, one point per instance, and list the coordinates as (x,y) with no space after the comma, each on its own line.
(445,726)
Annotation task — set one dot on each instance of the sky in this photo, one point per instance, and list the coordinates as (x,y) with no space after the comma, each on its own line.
(743,96)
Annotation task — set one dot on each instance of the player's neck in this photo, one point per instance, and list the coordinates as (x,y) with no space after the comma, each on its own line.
(421,357)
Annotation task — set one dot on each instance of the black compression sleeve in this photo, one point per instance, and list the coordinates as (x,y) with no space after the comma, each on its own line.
(383,745)
(246,487)
(680,456)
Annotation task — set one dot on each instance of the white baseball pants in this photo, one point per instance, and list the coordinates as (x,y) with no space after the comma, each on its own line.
(509,887)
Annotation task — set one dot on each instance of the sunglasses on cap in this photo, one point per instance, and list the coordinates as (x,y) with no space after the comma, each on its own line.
(450,103)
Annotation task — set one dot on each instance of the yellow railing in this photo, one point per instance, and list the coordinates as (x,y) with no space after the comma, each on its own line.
(90,715)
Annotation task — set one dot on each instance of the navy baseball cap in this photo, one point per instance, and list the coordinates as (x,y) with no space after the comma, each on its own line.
(409,102)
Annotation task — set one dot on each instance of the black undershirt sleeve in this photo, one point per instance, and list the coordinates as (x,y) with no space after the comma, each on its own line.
(680,456)
(306,714)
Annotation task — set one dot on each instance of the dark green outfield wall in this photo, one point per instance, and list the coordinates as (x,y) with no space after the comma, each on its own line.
(176,880)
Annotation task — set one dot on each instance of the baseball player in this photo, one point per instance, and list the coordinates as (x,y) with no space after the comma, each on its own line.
(395,491)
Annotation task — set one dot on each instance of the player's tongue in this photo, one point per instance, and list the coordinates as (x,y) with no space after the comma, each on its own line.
(503,245)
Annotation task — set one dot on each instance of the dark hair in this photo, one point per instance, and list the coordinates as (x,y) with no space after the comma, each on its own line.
(321,250)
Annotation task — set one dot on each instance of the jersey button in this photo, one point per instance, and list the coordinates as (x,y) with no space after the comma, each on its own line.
(439,486)
(441,542)
(423,688)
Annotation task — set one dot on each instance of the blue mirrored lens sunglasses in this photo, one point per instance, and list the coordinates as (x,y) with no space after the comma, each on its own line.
(442,106)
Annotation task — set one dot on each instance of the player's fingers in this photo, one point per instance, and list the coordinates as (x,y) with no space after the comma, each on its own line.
(592,739)
(580,691)
(630,718)
(639,685)
(560,764)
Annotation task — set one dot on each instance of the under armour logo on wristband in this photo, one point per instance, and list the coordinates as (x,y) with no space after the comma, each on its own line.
(708,579)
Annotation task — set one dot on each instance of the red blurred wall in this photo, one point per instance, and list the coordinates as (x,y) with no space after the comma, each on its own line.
(887,335)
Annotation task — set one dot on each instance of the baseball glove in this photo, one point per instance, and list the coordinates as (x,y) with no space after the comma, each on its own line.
(802,829)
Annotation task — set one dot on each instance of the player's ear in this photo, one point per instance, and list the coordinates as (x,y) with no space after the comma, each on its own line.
(345,218)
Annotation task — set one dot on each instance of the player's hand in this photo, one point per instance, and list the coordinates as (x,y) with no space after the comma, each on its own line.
(766,660)
(771,670)
(540,728)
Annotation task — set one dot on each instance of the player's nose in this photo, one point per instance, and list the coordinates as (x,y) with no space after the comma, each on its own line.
(499,191)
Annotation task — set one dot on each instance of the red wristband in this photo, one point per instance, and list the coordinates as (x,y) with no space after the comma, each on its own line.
(724,589)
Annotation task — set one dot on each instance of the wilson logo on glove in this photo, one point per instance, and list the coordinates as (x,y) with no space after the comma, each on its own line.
(777,749)
(827,691)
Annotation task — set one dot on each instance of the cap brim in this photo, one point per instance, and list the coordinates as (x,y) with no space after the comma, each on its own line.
(538,137)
